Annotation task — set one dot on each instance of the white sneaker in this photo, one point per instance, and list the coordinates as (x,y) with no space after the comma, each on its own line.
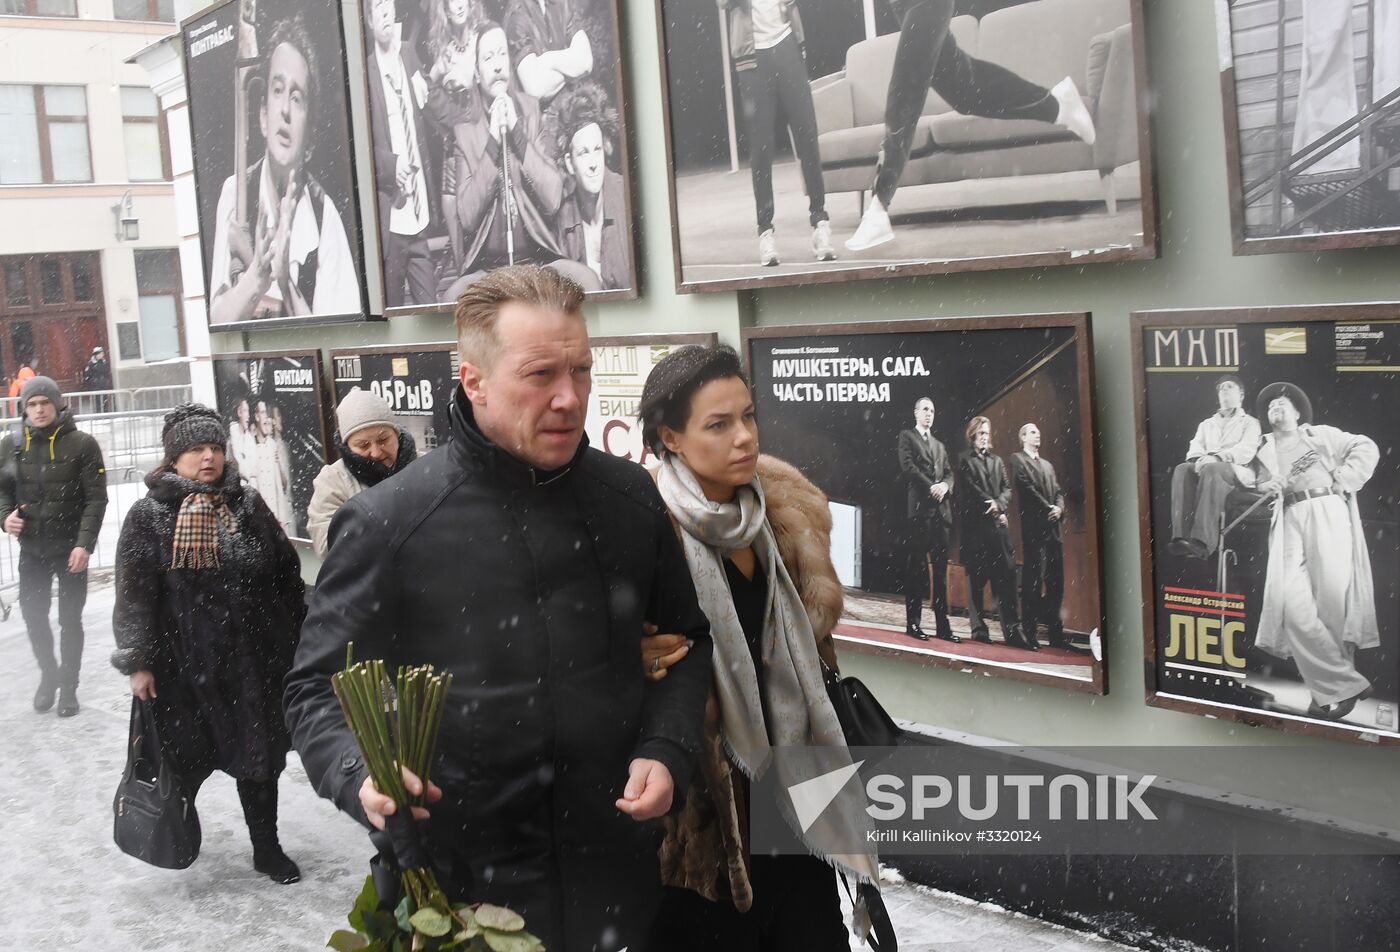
(768,249)
(874,228)
(1073,114)
(821,242)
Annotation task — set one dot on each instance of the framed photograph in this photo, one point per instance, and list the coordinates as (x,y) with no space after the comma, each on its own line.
(958,457)
(621,366)
(416,380)
(274,166)
(1014,133)
(274,405)
(1311,90)
(499,136)
(1268,493)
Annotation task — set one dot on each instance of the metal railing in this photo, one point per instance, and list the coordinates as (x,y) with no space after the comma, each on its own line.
(1338,193)
(129,435)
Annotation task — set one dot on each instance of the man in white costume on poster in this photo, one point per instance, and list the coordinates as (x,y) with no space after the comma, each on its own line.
(1319,597)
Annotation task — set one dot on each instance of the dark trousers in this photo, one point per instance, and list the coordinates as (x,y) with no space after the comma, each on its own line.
(928,56)
(1199,499)
(796,908)
(408,262)
(36,575)
(779,77)
(928,545)
(259,799)
(1042,584)
(991,558)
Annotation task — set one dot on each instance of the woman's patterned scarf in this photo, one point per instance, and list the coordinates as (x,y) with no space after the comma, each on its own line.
(196,544)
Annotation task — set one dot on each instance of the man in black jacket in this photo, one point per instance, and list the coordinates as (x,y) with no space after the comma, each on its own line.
(1041,504)
(53,494)
(526,564)
(984,493)
(928,473)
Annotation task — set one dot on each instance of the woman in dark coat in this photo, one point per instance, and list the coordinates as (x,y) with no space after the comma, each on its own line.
(209,607)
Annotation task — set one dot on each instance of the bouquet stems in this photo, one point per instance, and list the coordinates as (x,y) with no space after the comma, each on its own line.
(396,725)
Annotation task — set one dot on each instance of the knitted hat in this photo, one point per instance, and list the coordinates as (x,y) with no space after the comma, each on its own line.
(190,425)
(360,409)
(40,387)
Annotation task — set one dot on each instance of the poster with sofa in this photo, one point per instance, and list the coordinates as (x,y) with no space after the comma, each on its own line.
(829,141)
(274,407)
(1268,497)
(416,380)
(958,458)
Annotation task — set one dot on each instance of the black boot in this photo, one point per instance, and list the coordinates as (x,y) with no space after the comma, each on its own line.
(67,701)
(259,798)
(43,697)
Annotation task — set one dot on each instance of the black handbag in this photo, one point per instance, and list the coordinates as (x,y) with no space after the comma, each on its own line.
(154,815)
(864,722)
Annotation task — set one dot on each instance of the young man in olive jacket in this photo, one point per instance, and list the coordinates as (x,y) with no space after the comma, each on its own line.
(526,564)
(53,494)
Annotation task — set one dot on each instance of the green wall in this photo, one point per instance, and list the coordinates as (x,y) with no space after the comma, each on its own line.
(1196,269)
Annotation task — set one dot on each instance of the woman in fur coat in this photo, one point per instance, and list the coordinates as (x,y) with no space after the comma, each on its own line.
(209,609)
(756,536)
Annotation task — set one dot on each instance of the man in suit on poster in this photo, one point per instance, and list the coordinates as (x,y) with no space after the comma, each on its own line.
(1041,505)
(928,473)
(397,95)
(988,555)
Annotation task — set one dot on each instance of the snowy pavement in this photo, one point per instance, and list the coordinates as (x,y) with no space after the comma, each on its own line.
(68,887)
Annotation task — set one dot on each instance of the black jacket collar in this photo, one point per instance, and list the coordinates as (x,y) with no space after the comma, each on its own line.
(472,449)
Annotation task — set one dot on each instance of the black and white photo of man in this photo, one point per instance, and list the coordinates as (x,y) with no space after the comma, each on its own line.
(1319,596)
(397,95)
(498,137)
(1217,461)
(1040,503)
(928,475)
(988,554)
(549,42)
(593,218)
(293,257)
(765,40)
(509,188)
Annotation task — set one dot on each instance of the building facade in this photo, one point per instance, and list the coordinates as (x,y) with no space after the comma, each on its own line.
(89,251)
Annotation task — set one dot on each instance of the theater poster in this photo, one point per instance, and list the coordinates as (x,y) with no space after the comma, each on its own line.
(856,141)
(416,380)
(1268,488)
(442,82)
(958,457)
(621,366)
(273,406)
(274,167)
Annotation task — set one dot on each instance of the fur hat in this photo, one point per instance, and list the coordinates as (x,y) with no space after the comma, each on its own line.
(359,409)
(190,425)
(40,387)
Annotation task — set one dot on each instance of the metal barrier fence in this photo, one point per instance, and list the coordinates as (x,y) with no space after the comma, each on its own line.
(129,435)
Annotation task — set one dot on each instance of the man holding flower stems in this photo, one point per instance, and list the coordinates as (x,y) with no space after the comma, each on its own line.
(525,565)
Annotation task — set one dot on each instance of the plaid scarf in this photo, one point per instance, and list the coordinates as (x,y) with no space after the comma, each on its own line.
(196,544)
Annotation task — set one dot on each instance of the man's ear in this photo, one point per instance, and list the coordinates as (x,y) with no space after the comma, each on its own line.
(473,380)
(569,163)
